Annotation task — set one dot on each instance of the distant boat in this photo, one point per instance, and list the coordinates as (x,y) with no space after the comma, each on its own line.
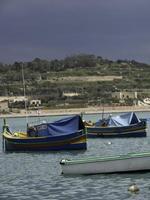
(65,134)
(109,164)
(125,125)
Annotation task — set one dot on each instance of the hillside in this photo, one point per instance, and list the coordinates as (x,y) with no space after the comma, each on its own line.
(92,78)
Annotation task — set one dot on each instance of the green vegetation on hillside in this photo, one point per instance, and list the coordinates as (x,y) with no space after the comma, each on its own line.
(48,80)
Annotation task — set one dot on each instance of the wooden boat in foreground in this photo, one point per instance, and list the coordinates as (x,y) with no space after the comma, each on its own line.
(110,164)
(125,125)
(65,134)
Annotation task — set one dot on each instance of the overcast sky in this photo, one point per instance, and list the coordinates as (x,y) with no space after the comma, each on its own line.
(49,29)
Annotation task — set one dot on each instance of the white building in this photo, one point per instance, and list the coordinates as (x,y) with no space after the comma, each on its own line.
(124,95)
(35,102)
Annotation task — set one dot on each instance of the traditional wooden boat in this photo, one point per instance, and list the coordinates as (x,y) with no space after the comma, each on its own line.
(65,134)
(125,125)
(131,162)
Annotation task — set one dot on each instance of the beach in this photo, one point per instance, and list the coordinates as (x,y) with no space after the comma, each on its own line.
(71,111)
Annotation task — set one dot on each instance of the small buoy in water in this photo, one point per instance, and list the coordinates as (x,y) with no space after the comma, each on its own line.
(133,188)
(109,142)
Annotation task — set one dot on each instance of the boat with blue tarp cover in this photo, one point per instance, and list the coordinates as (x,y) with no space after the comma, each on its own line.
(65,134)
(124,125)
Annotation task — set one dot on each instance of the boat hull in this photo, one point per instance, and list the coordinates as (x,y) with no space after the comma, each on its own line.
(72,142)
(118,164)
(135,130)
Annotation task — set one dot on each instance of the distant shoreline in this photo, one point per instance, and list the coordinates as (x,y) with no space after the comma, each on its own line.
(71,111)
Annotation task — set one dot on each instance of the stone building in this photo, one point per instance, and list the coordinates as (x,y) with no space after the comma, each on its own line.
(124,95)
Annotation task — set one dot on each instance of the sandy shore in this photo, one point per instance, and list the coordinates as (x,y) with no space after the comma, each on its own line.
(89,110)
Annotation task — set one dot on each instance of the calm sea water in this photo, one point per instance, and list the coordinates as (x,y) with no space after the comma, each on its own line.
(38,175)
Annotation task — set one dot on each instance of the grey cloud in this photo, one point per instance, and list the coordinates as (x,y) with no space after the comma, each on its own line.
(55,28)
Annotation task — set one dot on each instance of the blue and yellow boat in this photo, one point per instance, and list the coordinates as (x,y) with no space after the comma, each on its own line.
(124,125)
(65,134)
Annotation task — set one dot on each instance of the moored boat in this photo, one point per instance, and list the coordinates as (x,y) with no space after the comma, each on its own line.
(109,164)
(65,134)
(125,125)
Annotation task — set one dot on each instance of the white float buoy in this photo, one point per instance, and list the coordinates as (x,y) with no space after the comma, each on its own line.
(133,188)
(109,142)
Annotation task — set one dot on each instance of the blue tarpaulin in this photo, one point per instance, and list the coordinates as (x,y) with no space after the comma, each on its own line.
(123,120)
(64,126)
(119,120)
